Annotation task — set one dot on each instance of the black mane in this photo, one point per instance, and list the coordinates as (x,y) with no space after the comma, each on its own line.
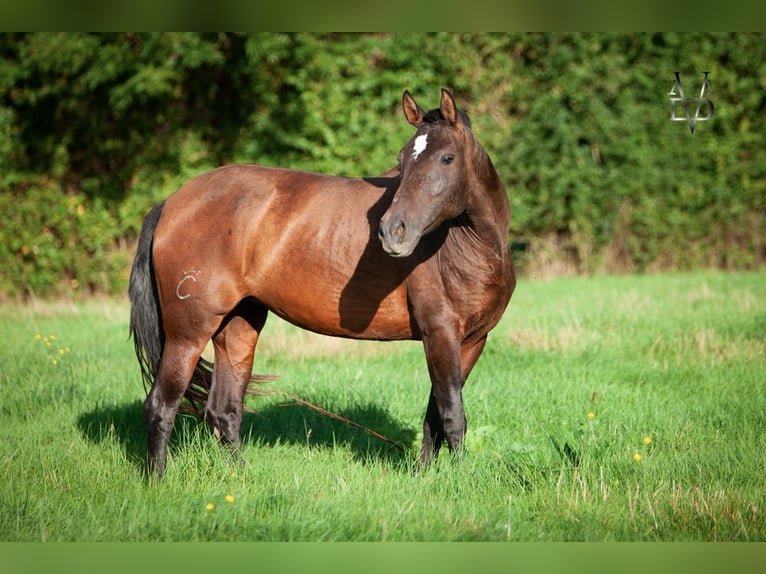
(435,116)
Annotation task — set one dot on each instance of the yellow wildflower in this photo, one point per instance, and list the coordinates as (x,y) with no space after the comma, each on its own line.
(637,457)
(647,440)
(591,415)
(229,498)
(209,506)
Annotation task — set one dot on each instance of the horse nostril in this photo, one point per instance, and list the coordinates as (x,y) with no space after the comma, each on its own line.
(396,232)
(400,231)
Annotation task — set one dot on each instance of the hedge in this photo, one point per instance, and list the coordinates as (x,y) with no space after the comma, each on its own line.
(95,128)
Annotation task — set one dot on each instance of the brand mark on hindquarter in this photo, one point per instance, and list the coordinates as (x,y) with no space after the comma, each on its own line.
(190,275)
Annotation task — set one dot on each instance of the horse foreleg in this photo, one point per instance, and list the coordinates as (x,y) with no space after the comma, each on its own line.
(433,432)
(469,354)
(445,416)
(234,349)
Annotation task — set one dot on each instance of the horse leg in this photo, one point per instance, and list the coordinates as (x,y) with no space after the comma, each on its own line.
(232,369)
(445,415)
(469,354)
(188,328)
(161,404)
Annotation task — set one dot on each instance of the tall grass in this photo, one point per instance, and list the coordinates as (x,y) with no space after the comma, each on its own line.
(610,408)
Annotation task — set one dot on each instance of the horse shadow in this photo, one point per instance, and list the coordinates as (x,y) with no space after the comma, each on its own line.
(377,274)
(271,425)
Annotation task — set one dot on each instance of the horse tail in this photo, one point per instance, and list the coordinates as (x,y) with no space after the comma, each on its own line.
(145,319)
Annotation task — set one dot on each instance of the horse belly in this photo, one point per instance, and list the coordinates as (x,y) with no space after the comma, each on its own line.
(389,321)
(333,292)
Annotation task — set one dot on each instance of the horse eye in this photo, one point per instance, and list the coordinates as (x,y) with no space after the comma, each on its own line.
(447,159)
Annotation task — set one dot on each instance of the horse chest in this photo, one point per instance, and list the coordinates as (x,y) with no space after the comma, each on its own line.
(473,288)
(479,299)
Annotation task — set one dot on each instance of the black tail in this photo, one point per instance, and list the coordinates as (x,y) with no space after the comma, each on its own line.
(146,319)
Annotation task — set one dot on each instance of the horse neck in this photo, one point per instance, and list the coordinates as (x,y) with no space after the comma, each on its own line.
(488,208)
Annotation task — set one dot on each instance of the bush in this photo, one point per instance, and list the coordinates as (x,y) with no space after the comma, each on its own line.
(95,128)
(63,244)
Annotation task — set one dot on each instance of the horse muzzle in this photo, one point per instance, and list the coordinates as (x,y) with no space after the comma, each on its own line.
(396,238)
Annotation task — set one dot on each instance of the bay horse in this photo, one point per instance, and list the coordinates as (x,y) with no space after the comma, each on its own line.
(419,253)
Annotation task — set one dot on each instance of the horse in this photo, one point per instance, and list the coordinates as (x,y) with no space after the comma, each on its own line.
(418,253)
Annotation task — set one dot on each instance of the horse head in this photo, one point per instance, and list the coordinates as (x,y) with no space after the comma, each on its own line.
(435,168)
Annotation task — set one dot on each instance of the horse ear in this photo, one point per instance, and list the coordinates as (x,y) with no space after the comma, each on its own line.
(448,108)
(412,111)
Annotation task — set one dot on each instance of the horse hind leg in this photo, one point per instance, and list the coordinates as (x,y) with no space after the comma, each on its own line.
(179,359)
(234,347)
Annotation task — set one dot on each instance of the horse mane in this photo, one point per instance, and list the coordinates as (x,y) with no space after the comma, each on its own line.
(435,116)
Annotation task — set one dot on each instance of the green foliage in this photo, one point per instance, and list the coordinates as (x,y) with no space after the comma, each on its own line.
(61,243)
(577,125)
(596,162)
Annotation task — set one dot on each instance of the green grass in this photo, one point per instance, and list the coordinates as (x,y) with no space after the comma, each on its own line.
(573,379)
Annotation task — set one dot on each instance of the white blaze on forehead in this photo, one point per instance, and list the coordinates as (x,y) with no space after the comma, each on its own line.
(420,145)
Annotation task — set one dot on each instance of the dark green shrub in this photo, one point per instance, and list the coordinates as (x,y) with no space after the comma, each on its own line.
(95,128)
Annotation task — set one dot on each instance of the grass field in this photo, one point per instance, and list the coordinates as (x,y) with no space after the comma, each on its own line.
(610,408)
